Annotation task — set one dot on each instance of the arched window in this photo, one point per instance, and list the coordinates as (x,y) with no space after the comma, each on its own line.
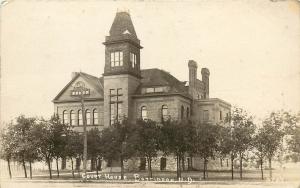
(65,117)
(164,112)
(144,112)
(80,118)
(182,112)
(72,117)
(187,112)
(88,117)
(95,117)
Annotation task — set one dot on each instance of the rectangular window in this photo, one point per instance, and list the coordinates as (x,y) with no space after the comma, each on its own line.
(221,115)
(112,95)
(121,58)
(115,105)
(112,114)
(158,89)
(132,60)
(150,90)
(112,59)
(119,94)
(119,105)
(205,115)
(155,89)
(80,122)
(78,93)
(116,59)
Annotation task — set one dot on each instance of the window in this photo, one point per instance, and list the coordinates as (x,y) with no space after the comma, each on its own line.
(115,105)
(133,60)
(154,89)
(88,117)
(205,115)
(164,112)
(158,89)
(163,163)
(187,112)
(144,113)
(80,117)
(116,59)
(95,117)
(182,112)
(142,163)
(221,115)
(227,117)
(112,114)
(72,117)
(150,90)
(65,117)
(78,93)
(119,114)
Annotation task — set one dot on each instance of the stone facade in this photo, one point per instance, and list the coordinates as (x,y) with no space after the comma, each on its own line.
(125,90)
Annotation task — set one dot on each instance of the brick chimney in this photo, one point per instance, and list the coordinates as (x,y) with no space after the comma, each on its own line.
(205,79)
(192,77)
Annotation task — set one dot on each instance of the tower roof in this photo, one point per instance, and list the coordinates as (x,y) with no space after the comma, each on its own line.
(122,25)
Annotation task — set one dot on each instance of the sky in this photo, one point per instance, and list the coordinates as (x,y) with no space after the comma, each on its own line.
(251,47)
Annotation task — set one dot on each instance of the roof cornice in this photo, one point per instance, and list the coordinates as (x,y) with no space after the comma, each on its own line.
(161,95)
(77,100)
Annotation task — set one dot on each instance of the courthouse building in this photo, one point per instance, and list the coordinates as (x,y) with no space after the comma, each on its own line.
(126,90)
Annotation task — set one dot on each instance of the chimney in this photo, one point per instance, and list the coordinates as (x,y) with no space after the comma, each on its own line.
(205,79)
(192,76)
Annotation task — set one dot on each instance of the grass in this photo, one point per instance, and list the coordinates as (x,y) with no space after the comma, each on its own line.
(213,175)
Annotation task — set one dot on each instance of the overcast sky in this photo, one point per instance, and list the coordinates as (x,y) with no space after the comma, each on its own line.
(251,47)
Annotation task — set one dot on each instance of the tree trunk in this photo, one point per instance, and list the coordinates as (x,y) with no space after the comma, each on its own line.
(63,163)
(178,168)
(182,163)
(24,167)
(232,166)
(96,161)
(57,170)
(227,163)
(191,163)
(177,175)
(221,162)
(92,164)
(270,167)
(149,167)
(241,166)
(8,165)
(122,168)
(49,168)
(72,164)
(30,169)
(261,169)
(204,168)
(99,164)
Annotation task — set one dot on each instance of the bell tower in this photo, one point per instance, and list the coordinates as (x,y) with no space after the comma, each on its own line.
(122,71)
(122,48)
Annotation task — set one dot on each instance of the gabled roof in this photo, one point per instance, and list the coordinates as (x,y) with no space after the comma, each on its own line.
(122,25)
(94,81)
(157,77)
(150,78)
(97,83)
